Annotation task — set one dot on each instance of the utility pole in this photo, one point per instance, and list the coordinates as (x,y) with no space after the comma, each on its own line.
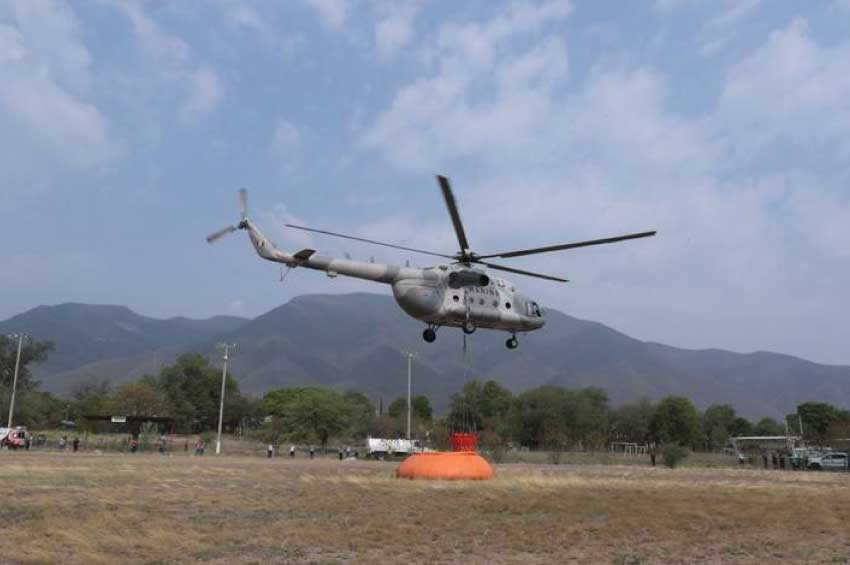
(20,337)
(410,357)
(226,347)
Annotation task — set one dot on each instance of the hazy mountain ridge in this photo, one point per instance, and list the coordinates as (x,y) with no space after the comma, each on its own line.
(358,341)
(92,333)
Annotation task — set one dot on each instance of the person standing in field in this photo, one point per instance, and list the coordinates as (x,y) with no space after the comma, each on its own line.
(76,444)
(312,451)
(270,451)
(62,442)
(291,451)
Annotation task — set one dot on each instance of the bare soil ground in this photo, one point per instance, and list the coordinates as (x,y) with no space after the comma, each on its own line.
(90,508)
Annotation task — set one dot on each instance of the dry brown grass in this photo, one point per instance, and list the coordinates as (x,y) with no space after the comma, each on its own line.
(86,508)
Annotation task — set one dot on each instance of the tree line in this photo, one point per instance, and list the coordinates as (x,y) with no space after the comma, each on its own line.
(546,417)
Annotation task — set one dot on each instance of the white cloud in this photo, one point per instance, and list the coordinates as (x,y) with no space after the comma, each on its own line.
(171,66)
(46,116)
(724,27)
(153,40)
(790,98)
(332,13)
(205,93)
(394,28)
(482,94)
(285,146)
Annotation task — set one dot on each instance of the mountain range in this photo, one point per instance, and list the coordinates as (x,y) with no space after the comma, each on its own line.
(359,341)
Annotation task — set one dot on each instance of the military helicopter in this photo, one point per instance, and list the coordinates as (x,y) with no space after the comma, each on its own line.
(456,293)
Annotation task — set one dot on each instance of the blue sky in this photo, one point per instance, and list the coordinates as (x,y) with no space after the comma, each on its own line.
(126,129)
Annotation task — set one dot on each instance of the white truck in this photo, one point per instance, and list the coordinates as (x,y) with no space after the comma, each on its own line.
(378,448)
(834,461)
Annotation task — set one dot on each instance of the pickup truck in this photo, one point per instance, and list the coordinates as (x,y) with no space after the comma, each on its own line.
(829,462)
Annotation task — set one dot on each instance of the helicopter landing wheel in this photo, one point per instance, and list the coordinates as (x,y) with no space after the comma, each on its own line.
(512,343)
(469,327)
(429,335)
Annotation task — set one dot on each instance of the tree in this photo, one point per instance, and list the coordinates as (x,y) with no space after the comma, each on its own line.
(539,418)
(768,427)
(308,413)
(361,414)
(90,398)
(28,409)
(139,398)
(421,408)
(717,425)
(193,389)
(676,421)
(32,351)
(482,406)
(818,417)
(631,422)
(587,416)
(741,427)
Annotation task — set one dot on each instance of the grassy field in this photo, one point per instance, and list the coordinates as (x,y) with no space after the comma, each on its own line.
(146,508)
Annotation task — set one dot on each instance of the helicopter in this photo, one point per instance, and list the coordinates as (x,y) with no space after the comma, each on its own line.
(459,292)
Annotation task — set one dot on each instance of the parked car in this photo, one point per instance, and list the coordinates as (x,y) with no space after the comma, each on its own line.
(829,462)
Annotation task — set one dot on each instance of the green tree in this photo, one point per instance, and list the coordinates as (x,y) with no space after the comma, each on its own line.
(717,424)
(91,398)
(361,415)
(139,398)
(421,408)
(38,409)
(482,406)
(539,418)
(308,413)
(193,389)
(768,427)
(587,416)
(818,417)
(741,427)
(676,420)
(631,422)
(33,351)
(29,408)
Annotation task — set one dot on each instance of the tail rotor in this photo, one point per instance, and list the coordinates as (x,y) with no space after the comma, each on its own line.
(243,219)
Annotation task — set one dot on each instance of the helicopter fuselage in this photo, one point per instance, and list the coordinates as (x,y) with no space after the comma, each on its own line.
(455,294)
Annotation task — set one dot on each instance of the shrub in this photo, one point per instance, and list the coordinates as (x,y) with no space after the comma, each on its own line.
(673,454)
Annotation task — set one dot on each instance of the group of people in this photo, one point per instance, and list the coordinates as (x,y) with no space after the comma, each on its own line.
(75,443)
(344,453)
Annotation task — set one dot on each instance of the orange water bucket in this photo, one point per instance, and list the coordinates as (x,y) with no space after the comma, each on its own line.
(446,466)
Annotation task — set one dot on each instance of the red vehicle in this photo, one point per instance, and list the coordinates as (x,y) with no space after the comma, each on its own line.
(15,437)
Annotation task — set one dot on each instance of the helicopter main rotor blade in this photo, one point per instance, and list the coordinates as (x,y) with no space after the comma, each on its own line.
(453,212)
(564,246)
(372,241)
(213,237)
(521,272)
